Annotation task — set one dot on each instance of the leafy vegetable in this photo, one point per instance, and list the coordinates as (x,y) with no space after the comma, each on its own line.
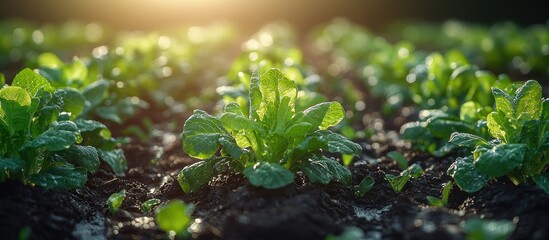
(104,99)
(398,182)
(461,107)
(441,202)
(115,201)
(518,125)
(42,140)
(269,143)
(174,217)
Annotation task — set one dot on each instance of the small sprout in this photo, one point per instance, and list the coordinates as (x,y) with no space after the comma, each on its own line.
(479,229)
(399,158)
(364,186)
(516,145)
(147,206)
(398,182)
(438,202)
(414,171)
(174,217)
(115,201)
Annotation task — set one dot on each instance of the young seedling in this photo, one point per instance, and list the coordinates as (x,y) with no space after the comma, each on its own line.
(147,206)
(115,201)
(441,202)
(174,218)
(519,126)
(268,142)
(453,95)
(398,182)
(364,186)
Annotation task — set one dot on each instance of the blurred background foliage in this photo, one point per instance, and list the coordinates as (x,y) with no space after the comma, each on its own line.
(252,14)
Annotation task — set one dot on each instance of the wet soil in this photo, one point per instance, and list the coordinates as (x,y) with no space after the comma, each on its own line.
(230,208)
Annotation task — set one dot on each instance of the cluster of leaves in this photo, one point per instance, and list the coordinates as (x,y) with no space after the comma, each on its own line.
(108,99)
(42,139)
(462,105)
(453,93)
(269,141)
(167,69)
(517,146)
(275,46)
(504,46)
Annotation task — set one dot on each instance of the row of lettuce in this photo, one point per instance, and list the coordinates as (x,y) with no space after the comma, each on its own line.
(271,127)
(53,119)
(496,124)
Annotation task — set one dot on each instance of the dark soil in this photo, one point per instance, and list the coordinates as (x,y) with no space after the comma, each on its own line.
(230,208)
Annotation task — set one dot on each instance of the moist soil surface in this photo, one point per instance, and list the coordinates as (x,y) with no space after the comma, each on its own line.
(230,208)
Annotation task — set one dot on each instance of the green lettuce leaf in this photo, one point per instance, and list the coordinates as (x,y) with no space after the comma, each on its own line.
(268,175)
(192,177)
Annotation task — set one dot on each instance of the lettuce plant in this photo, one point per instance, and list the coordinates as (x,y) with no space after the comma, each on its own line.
(519,126)
(459,107)
(269,142)
(104,99)
(42,141)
